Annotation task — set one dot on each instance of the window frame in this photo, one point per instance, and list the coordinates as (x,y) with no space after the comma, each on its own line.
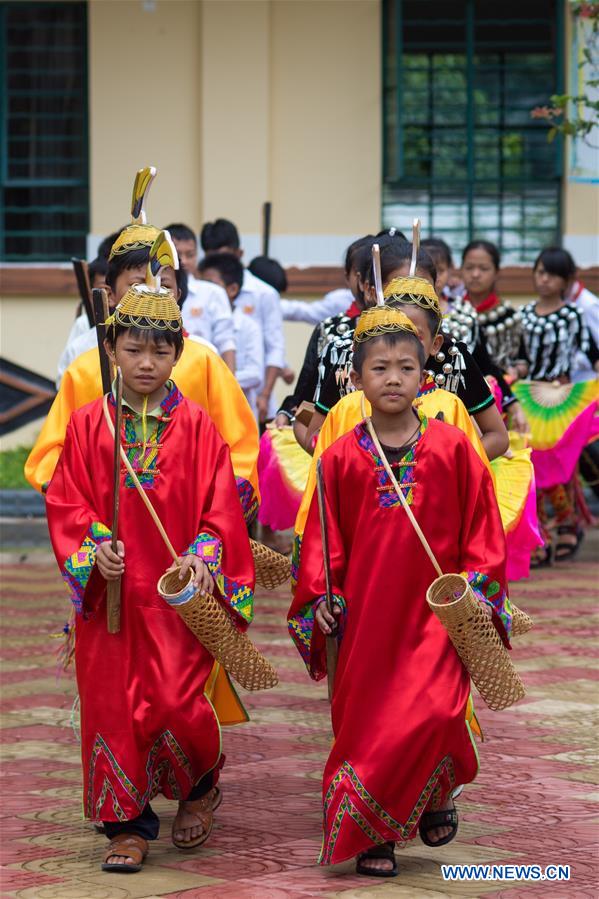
(435,191)
(7,182)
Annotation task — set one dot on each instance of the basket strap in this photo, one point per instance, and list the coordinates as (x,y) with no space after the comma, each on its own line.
(139,488)
(398,490)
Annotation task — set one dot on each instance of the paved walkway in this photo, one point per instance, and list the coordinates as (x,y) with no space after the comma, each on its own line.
(535,800)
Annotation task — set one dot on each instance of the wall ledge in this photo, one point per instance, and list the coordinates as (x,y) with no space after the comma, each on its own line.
(48,281)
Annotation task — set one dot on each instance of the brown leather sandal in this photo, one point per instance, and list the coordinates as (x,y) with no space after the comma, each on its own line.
(216,797)
(203,809)
(125,845)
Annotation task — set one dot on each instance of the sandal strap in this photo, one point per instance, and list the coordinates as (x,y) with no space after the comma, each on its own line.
(445,818)
(201,808)
(127,845)
(384,851)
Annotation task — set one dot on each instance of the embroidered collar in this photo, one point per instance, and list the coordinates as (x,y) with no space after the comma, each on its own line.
(365,440)
(166,407)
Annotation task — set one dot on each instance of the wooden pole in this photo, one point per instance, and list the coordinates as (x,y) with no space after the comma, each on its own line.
(331,643)
(266,215)
(80,268)
(101,311)
(113,588)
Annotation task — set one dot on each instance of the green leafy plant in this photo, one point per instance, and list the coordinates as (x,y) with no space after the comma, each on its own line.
(576,115)
(11,468)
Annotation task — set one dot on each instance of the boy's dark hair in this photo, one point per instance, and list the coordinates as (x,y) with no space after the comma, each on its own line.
(98,266)
(269,270)
(392,232)
(227,265)
(157,335)
(394,253)
(105,246)
(437,249)
(178,231)
(557,262)
(217,234)
(488,247)
(135,259)
(354,251)
(391,339)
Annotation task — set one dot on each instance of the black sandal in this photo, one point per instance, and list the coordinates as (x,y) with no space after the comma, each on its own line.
(570,549)
(446,818)
(385,852)
(542,558)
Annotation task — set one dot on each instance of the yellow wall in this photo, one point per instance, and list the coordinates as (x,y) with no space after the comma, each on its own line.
(144,108)
(237,102)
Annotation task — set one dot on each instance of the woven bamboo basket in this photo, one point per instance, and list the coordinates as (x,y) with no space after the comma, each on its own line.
(208,621)
(521,622)
(476,640)
(272,568)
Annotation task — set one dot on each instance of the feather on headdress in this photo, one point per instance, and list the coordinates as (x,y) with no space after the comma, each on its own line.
(138,234)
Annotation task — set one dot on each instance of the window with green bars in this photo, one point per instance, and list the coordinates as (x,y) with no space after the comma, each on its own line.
(460,148)
(43,131)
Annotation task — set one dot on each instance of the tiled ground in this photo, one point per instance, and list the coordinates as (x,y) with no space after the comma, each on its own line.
(535,800)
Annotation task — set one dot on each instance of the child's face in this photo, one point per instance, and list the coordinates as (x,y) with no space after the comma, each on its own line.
(430,342)
(442,274)
(214,276)
(188,255)
(479,273)
(390,376)
(131,276)
(145,364)
(547,284)
(126,279)
(353,282)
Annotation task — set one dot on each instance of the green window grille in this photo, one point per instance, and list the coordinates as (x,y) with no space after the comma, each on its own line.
(460,148)
(43,131)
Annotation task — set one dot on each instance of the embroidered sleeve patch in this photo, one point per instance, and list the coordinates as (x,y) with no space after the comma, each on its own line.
(248,500)
(78,567)
(239,596)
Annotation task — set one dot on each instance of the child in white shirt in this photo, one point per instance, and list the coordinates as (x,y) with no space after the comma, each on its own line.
(226,271)
(206,311)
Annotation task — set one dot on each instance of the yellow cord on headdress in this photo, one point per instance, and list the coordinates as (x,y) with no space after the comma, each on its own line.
(144,429)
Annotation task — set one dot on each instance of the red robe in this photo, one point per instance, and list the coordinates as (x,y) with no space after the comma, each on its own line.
(401,694)
(146,724)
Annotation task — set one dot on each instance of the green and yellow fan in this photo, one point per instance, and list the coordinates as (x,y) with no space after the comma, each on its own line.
(551,407)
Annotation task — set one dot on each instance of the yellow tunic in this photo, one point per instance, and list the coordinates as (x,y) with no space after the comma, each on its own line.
(201,376)
(347,413)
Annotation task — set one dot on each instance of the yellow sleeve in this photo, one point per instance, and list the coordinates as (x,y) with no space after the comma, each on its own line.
(204,378)
(80,384)
(344,416)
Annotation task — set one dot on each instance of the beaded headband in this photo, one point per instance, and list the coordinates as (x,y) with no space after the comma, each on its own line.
(150,306)
(379,320)
(138,235)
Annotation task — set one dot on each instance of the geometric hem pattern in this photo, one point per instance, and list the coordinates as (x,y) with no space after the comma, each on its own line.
(382,819)
(154,773)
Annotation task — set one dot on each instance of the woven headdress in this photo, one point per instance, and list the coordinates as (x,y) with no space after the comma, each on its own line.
(149,305)
(412,290)
(380,319)
(138,234)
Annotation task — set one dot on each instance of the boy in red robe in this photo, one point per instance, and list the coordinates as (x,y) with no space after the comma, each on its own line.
(146,724)
(401,708)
